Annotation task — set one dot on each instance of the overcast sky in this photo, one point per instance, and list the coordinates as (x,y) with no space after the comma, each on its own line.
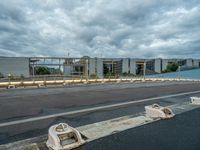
(108,28)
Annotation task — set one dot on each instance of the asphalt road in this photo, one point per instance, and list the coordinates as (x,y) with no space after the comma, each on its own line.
(16,105)
(179,133)
(22,104)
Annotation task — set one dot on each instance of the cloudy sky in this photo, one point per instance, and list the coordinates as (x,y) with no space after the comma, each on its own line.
(107,28)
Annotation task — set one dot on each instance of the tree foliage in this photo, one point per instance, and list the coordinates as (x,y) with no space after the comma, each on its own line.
(125,74)
(1,75)
(172,67)
(42,71)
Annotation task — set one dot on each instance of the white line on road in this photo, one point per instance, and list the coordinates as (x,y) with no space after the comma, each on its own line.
(92,109)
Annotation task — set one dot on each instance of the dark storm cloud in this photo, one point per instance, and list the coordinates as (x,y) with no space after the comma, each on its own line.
(128,28)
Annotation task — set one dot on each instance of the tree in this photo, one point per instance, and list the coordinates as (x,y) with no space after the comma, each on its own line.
(124,74)
(1,75)
(42,71)
(22,77)
(172,67)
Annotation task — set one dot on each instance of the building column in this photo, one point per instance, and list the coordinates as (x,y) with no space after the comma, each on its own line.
(67,69)
(99,67)
(133,66)
(157,65)
(125,65)
(189,63)
(196,63)
(92,65)
(164,64)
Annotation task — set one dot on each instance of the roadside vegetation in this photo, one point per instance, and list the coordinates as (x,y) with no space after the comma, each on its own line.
(125,74)
(1,75)
(94,76)
(172,67)
(42,71)
(117,75)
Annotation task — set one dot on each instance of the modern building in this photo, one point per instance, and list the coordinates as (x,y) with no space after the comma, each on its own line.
(16,66)
(86,66)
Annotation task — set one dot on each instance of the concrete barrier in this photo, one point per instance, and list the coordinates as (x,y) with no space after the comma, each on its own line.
(118,80)
(11,86)
(195,100)
(156,111)
(62,136)
(41,85)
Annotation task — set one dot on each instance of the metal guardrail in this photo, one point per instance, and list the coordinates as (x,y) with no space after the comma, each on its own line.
(73,81)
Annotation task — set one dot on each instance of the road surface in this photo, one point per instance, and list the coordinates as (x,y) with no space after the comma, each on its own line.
(19,105)
(179,133)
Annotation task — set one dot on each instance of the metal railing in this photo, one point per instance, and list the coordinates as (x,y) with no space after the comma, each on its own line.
(87,80)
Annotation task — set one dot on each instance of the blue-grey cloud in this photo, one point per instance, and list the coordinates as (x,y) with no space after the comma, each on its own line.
(115,28)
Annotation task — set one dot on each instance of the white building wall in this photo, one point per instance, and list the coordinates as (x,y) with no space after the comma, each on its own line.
(164,64)
(133,66)
(157,65)
(99,67)
(189,63)
(67,70)
(125,65)
(15,66)
(196,63)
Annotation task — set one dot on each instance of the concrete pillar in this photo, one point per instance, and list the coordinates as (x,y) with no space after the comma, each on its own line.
(133,66)
(144,70)
(67,69)
(99,66)
(125,65)
(157,65)
(92,65)
(86,73)
(164,64)
(196,63)
(189,63)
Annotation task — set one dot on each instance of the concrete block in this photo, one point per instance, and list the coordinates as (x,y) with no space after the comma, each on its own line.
(195,100)
(61,137)
(156,111)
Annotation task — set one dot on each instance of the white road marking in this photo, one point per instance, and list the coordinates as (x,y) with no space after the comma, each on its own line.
(92,109)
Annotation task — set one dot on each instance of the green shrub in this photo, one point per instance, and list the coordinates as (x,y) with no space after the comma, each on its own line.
(127,74)
(94,76)
(1,75)
(42,71)
(110,75)
(22,77)
(171,67)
